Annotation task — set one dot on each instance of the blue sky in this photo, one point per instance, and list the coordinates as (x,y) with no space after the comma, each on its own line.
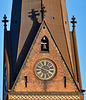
(74,7)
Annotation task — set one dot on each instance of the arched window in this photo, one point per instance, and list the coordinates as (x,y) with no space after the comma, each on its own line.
(44,44)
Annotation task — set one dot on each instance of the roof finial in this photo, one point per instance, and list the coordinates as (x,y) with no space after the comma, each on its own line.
(5,21)
(73,22)
(43,11)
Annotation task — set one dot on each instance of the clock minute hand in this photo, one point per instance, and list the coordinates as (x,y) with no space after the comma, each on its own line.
(45,69)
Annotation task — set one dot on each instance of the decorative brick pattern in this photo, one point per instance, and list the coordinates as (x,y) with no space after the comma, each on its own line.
(43,97)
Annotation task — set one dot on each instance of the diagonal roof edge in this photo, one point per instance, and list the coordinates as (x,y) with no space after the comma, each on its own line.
(76,58)
(70,58)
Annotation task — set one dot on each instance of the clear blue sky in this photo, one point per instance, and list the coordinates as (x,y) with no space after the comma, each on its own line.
(74,7)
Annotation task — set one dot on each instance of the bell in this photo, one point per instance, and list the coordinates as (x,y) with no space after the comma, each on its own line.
(44,46)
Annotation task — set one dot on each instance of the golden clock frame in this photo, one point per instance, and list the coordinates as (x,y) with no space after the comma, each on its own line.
(51,62)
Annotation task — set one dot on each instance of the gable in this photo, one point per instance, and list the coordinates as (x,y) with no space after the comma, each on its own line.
(34,84)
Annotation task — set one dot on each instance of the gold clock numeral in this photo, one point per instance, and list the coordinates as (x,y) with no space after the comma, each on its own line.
(44,75)
(51,69)
(50,72)
(38,69)
(39,72)
(42,63)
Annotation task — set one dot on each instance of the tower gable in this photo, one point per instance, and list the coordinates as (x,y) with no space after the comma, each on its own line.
(32,83)
(41,53)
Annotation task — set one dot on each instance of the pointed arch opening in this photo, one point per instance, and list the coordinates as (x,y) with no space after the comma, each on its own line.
(44,44)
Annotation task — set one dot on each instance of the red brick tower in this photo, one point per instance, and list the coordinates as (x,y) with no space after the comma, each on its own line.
(44,54)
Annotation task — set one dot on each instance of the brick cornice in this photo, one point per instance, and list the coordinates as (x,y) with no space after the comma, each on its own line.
(44,93)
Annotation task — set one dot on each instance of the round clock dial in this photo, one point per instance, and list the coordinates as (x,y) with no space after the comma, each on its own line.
(45,69)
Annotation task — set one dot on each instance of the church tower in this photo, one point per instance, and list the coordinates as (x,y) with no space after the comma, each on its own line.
(40,53)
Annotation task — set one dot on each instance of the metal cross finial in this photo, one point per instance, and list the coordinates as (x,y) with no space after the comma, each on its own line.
(73,22)
(33,14)
(5,21)
(43,11)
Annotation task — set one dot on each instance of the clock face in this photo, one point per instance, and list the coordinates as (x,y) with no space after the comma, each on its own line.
(45,69)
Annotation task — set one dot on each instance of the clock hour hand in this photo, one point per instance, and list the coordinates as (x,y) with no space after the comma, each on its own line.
(46,70)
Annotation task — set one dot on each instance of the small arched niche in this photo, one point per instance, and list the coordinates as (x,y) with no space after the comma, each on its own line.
(44,44)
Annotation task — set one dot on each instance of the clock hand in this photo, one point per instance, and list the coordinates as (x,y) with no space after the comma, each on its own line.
(43,68)
(46,70)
